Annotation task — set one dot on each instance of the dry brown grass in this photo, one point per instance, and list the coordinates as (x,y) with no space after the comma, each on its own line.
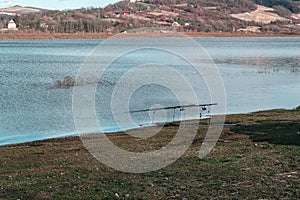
(261,15)
(29,36)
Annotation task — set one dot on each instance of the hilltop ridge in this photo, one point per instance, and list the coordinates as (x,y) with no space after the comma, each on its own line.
(20,10)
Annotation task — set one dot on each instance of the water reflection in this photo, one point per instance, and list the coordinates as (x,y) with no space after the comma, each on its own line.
(265,64)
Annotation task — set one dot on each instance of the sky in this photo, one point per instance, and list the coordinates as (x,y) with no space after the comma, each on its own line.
(57,4)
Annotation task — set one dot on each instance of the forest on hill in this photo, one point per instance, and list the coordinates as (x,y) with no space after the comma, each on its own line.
(291,5)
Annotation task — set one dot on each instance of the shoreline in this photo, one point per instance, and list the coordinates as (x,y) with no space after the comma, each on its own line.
(33,36)
(146,126)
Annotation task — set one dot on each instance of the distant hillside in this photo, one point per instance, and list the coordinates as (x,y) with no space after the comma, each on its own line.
(189,16)
(291,5)
(20,10)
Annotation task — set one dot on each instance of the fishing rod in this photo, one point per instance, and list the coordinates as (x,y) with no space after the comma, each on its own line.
(181,108)
(175,107)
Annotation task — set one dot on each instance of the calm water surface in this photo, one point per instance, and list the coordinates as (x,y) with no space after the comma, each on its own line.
(258,73)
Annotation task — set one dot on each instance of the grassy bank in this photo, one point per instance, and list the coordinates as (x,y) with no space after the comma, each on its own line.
(257,161)
(40,35)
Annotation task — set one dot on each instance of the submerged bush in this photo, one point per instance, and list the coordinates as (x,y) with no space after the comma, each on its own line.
(69,81)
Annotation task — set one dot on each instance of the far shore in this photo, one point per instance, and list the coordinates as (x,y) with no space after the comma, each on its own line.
(30,36)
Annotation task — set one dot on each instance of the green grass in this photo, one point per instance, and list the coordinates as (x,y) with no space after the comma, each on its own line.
(281,133)
(257,161)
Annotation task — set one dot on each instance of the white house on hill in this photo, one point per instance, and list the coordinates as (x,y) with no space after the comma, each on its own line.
(12,25)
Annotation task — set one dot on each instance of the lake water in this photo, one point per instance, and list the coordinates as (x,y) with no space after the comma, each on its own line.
(258,74)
